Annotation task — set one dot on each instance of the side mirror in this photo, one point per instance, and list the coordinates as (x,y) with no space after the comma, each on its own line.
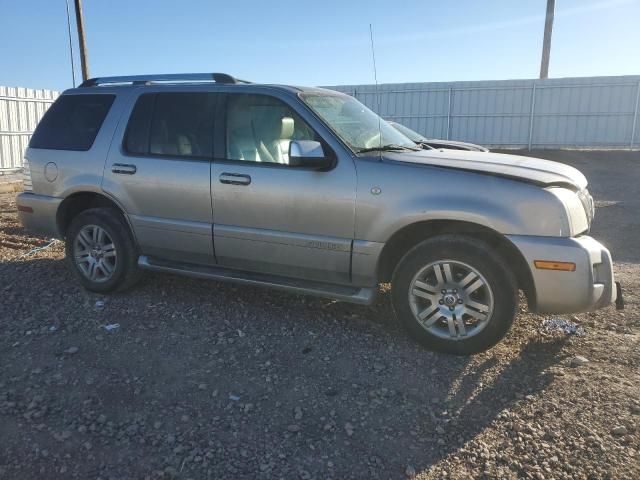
(309,154)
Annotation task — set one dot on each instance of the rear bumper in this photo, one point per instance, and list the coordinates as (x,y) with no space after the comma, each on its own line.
(37,213)
(590,287)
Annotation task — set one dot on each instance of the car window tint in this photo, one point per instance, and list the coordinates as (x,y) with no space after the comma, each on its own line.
(182,125)
(260,129)
(72,122)
(137,136)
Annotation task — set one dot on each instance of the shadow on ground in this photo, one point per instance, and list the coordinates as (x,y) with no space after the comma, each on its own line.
(223,369)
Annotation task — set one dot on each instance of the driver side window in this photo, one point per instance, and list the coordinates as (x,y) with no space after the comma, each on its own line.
(260,129)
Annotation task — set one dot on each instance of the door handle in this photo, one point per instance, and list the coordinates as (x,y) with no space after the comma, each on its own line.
(234,179)
(123,168)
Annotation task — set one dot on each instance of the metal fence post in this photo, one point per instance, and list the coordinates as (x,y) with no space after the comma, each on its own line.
(635,118)
(533,108)
(449,116)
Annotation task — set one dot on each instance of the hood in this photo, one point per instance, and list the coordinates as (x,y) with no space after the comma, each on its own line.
(517,167)
(455,145)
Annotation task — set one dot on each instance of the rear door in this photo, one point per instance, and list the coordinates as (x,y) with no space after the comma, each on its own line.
(269,216)
(160,172)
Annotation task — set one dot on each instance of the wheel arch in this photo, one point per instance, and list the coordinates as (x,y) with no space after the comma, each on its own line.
(78,202)
(411,235)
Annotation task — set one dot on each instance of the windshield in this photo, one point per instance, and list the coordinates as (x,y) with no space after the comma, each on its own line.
(355,124)
(415,136)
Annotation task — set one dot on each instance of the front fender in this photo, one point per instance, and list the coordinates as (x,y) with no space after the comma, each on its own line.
(392,196)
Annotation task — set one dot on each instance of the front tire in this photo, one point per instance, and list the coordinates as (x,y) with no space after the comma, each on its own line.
(101,251)
(455,294)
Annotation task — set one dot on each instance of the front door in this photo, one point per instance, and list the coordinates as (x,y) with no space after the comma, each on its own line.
(161,174)
(275,218)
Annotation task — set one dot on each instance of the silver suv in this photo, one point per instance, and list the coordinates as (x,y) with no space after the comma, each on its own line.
(307,190)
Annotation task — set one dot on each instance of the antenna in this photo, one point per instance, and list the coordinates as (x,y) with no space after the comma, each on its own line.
(73,69)
(375,78)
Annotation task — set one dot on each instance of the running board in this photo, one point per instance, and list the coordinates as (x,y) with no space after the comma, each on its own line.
(361,295)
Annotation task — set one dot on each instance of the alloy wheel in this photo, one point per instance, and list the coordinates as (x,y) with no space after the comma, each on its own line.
(95,253)
(451,299)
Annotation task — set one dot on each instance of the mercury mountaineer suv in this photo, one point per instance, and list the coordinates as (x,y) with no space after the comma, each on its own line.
(307,190)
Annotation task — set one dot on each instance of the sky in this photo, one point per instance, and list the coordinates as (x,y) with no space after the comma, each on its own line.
(321,42)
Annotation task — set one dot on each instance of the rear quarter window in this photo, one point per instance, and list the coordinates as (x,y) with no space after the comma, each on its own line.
(72,122)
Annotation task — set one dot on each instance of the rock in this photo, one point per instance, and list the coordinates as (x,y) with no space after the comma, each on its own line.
(619,430)
(71,350)
(298,413)
(171,472)
(348,428)
(410,471)
(293,428)
(439,430)
(578,361)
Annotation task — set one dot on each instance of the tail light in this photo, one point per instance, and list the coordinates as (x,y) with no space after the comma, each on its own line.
(26,177)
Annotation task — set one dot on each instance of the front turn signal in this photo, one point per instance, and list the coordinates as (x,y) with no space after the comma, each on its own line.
(552,265)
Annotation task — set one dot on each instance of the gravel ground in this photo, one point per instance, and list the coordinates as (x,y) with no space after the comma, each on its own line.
(208,380)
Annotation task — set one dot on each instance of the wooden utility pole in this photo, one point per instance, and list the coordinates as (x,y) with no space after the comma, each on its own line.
(84,61)
(546,44)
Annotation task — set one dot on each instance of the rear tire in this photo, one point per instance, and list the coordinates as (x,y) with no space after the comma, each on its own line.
(101,251)
(454,294)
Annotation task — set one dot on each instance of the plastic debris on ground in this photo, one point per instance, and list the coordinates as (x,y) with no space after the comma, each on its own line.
(35,250)
(111,327)
(235,398)
(567,327)
(99,304)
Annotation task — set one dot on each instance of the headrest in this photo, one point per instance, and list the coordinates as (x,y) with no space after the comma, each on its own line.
(286,132)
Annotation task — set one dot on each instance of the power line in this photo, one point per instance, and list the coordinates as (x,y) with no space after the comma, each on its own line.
(73,68)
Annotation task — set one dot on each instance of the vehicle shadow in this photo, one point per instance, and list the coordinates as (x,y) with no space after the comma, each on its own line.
(480,399)
(367,391)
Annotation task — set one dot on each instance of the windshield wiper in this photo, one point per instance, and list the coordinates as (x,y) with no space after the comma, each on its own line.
(387,148)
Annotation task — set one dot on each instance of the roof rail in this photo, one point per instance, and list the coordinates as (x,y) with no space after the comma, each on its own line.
(167,77)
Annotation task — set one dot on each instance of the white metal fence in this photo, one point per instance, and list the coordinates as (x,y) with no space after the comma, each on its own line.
(20,112)
(587,112)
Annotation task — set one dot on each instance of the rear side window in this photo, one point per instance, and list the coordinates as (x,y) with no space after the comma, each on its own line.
(72,122)
(172,124)
(137,137)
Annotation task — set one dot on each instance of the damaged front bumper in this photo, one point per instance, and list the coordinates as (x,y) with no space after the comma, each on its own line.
(590,286)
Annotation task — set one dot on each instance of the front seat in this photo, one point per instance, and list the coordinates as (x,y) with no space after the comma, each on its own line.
(273,140)
(281,145)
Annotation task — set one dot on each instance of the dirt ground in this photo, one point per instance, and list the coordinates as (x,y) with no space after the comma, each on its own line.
(210,380)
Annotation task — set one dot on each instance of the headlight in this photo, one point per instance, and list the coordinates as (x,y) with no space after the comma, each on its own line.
(587,203)
(579,212)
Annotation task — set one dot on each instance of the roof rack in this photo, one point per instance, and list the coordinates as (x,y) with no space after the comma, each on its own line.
(168,78)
